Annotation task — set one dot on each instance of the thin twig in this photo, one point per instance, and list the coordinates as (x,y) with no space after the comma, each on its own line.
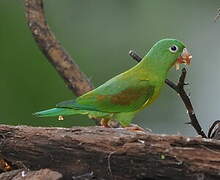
(179,88)
(51,48)
(214,130)
(135,56)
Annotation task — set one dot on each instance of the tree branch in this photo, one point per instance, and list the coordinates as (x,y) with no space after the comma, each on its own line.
(179,88)
(106,153)
(51,48)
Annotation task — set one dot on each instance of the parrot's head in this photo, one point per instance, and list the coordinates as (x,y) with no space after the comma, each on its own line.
(169,52)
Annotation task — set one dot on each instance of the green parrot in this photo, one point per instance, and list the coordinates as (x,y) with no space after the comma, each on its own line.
(123,96)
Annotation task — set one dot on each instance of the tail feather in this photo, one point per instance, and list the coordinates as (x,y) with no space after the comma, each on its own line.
(57,112)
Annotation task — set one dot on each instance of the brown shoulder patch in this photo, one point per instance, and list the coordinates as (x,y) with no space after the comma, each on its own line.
(127,96)
(102,97)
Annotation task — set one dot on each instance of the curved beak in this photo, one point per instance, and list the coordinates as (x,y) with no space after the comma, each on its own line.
(184,58)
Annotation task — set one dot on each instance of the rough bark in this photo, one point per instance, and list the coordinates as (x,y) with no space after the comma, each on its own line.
(23,174)
(102,153)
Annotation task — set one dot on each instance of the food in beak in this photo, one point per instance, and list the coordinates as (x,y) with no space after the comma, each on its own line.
(177,66)
(184,58)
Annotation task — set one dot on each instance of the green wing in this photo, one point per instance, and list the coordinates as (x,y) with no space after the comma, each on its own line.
(120,94)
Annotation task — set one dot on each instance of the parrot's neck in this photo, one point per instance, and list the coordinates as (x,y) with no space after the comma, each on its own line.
(152,69)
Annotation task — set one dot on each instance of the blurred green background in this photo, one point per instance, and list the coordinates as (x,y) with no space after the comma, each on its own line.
(99,34)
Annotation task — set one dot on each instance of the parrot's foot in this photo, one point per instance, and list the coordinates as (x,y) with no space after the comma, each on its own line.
(114,124)
(104,122)
(107,123)
(136,128)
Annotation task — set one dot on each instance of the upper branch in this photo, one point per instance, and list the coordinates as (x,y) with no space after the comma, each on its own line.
(55,53)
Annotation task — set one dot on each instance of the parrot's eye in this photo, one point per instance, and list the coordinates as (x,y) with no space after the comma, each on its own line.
(173,49)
